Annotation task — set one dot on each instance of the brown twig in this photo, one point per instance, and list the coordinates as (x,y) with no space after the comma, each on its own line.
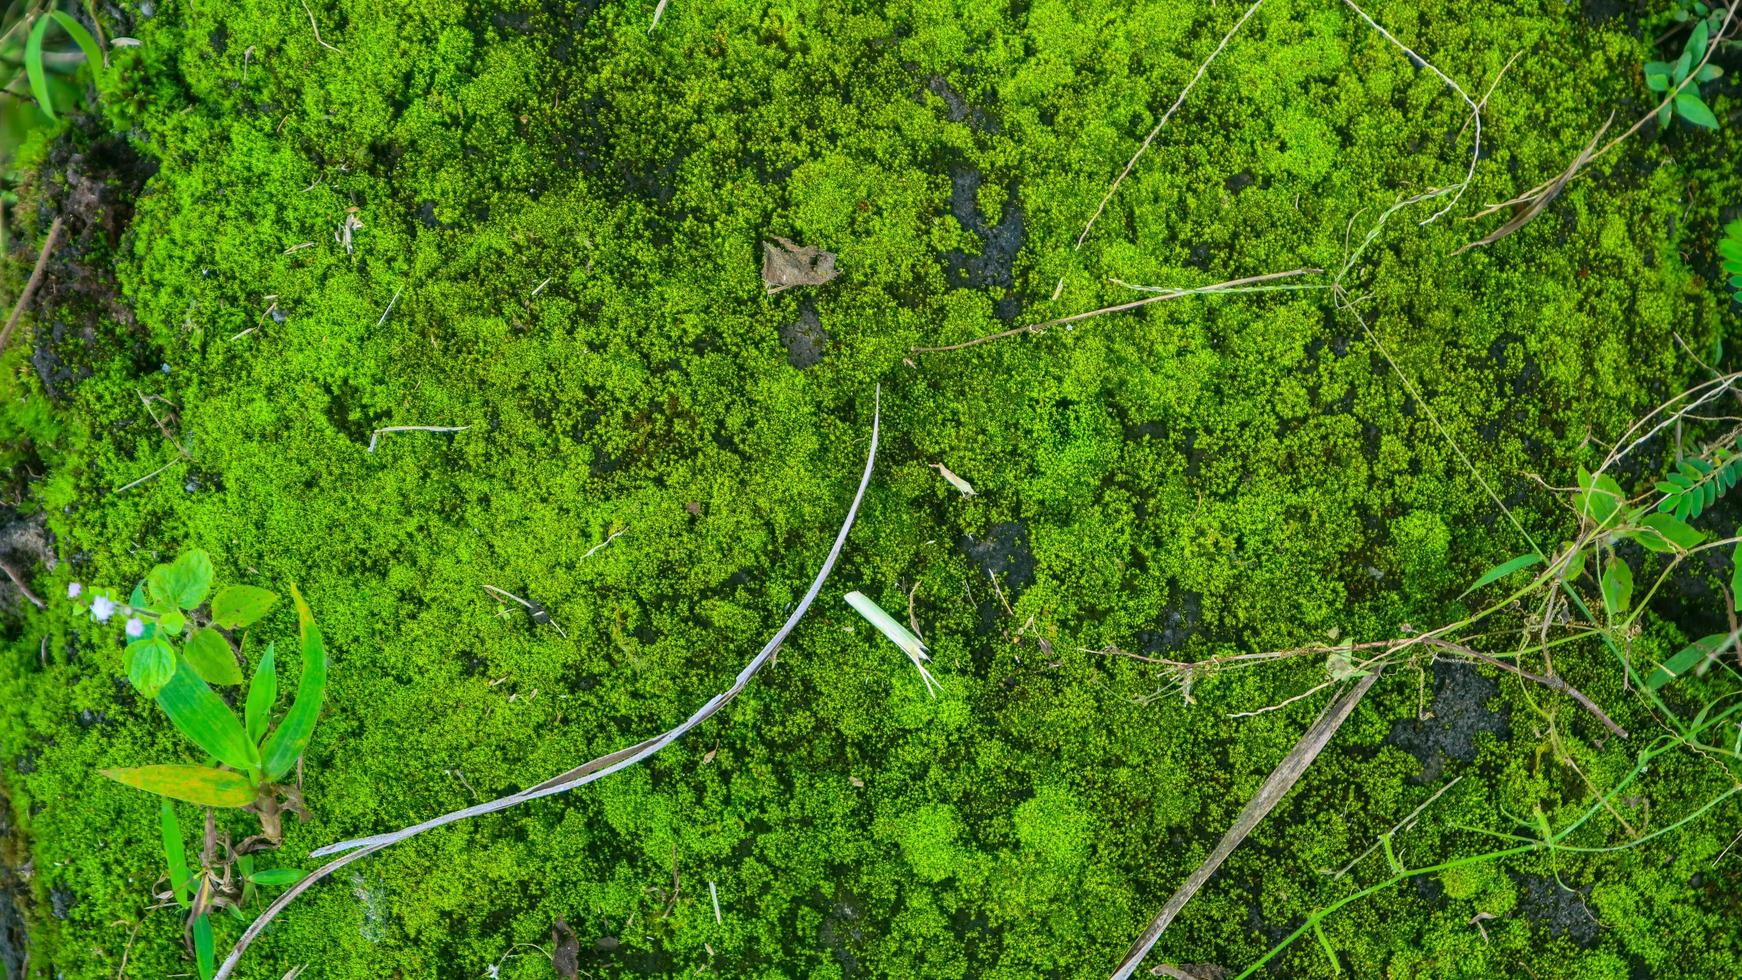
(1668,99)
(1552,683)
(36,276)
(22,588)
(317,29)
(1281,780)
(1120,308)
(1528,211)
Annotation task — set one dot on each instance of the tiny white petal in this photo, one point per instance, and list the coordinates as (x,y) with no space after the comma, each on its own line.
(73,590)
(135,627)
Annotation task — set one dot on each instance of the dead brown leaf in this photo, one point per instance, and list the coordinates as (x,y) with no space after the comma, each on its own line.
(566,952)
(786,265)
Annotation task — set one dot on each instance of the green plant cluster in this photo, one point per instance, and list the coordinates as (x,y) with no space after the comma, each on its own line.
(543,223)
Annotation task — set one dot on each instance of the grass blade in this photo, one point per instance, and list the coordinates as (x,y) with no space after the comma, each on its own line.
(33,67)
(81,37)
(897,634)
(1502,570)
(292,735)
(175,850)
(262,694)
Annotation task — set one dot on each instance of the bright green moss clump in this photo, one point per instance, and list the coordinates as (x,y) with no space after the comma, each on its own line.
(565,213)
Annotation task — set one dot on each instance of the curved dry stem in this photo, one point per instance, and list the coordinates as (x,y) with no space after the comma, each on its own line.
(587,772)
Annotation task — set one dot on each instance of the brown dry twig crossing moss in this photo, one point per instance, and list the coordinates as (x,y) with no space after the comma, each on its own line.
(1280,781)
(36,276)
(1232,285)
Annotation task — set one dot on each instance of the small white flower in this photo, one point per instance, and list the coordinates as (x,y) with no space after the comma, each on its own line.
(73,590)
(135,627)
(102,607)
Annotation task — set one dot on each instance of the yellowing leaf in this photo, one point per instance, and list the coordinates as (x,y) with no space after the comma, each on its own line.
(200,785)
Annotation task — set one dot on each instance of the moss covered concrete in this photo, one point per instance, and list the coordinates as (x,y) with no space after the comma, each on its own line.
(569,209)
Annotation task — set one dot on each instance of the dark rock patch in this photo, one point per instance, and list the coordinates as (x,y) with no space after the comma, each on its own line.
(958,109)
(804,338)
(1003,553)
(1457,714)
(842,931)
(1557,908)
(1179,622)
(994,266)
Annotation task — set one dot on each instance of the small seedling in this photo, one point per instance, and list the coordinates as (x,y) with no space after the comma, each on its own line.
(252,755)
(898,634)
(1667,77)
(231,882)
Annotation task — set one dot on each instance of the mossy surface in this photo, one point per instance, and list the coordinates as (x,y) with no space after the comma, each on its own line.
(564,212)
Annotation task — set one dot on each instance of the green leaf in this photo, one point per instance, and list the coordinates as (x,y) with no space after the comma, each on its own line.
(291,737)
(150,664)
(81,37)
(1687,659)
(203,717)
(1663,114)
(1599,498)
(33,67)
(199,785)
(1664,533)
(1657,83)
(1617,585)
(241,605)
(1575,564)
(1696,48)
(276,877)
(1695,111)
(1682,64)
(209,654)
(176,852)
(172,622)
(203,954)
(183,583)
(1708,73)
(262,693)
(1502,570)
(1736,577)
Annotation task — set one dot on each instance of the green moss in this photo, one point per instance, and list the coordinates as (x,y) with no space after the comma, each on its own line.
(569,210)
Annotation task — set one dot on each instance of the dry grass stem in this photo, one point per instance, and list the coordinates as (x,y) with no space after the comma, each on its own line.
(37,273)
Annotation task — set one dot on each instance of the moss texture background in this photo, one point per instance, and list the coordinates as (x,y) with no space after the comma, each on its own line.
(1205,476)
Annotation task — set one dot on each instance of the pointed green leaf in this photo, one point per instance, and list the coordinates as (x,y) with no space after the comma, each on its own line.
(203,953)
(1664,533)
(175,850)
(291,737)
(1687,659)
(200,785)
(1576,564)
(209,654)
(276,877)
(262,693)
(1695,111)
(1502,570)
(240,605)
(204,718)
(34,70)
(81,37)
(1696,47)
(1617,585)
(150,664)
(1736,577)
